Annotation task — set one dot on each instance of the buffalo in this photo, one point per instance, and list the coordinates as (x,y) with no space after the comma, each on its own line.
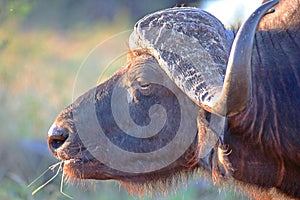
(194,98)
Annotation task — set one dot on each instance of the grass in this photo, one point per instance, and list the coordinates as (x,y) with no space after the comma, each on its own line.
(38,68)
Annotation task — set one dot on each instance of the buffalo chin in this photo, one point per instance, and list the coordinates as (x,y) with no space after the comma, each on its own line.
(157,182)
(80,169)
(160,182)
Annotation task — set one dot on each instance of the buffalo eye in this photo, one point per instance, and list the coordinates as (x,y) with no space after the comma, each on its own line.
(145,88)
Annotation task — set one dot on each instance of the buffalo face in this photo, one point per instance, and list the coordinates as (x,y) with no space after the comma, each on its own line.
(122,128)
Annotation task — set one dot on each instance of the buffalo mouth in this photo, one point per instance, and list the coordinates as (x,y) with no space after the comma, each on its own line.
(81,168)
(78,162)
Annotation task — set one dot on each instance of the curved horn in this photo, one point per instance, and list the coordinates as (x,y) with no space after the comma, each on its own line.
(190,45)
(237,88)
(193,47)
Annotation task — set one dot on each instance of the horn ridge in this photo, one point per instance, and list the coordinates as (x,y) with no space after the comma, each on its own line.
(190,45)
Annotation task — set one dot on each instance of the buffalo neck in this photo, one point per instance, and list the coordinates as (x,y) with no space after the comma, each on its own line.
(264,138)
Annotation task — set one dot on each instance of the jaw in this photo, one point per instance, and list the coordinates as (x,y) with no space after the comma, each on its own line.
(157,182)
(86,169)
(84,166)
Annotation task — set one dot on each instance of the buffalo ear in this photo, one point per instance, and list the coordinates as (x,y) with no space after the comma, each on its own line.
(221,168)
(211,130)
(207,137)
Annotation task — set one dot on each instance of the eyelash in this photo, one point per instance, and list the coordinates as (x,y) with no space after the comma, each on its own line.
(144,85)
(145,88)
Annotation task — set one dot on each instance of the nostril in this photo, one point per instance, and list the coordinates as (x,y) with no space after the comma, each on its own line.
(56,137)
(56,142)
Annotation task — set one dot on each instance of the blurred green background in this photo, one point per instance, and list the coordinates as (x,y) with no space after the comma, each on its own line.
(42,46)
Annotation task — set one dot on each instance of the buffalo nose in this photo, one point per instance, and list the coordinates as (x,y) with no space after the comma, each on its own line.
(56,137)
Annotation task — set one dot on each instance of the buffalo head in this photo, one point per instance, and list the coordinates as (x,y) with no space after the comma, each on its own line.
(165,112)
